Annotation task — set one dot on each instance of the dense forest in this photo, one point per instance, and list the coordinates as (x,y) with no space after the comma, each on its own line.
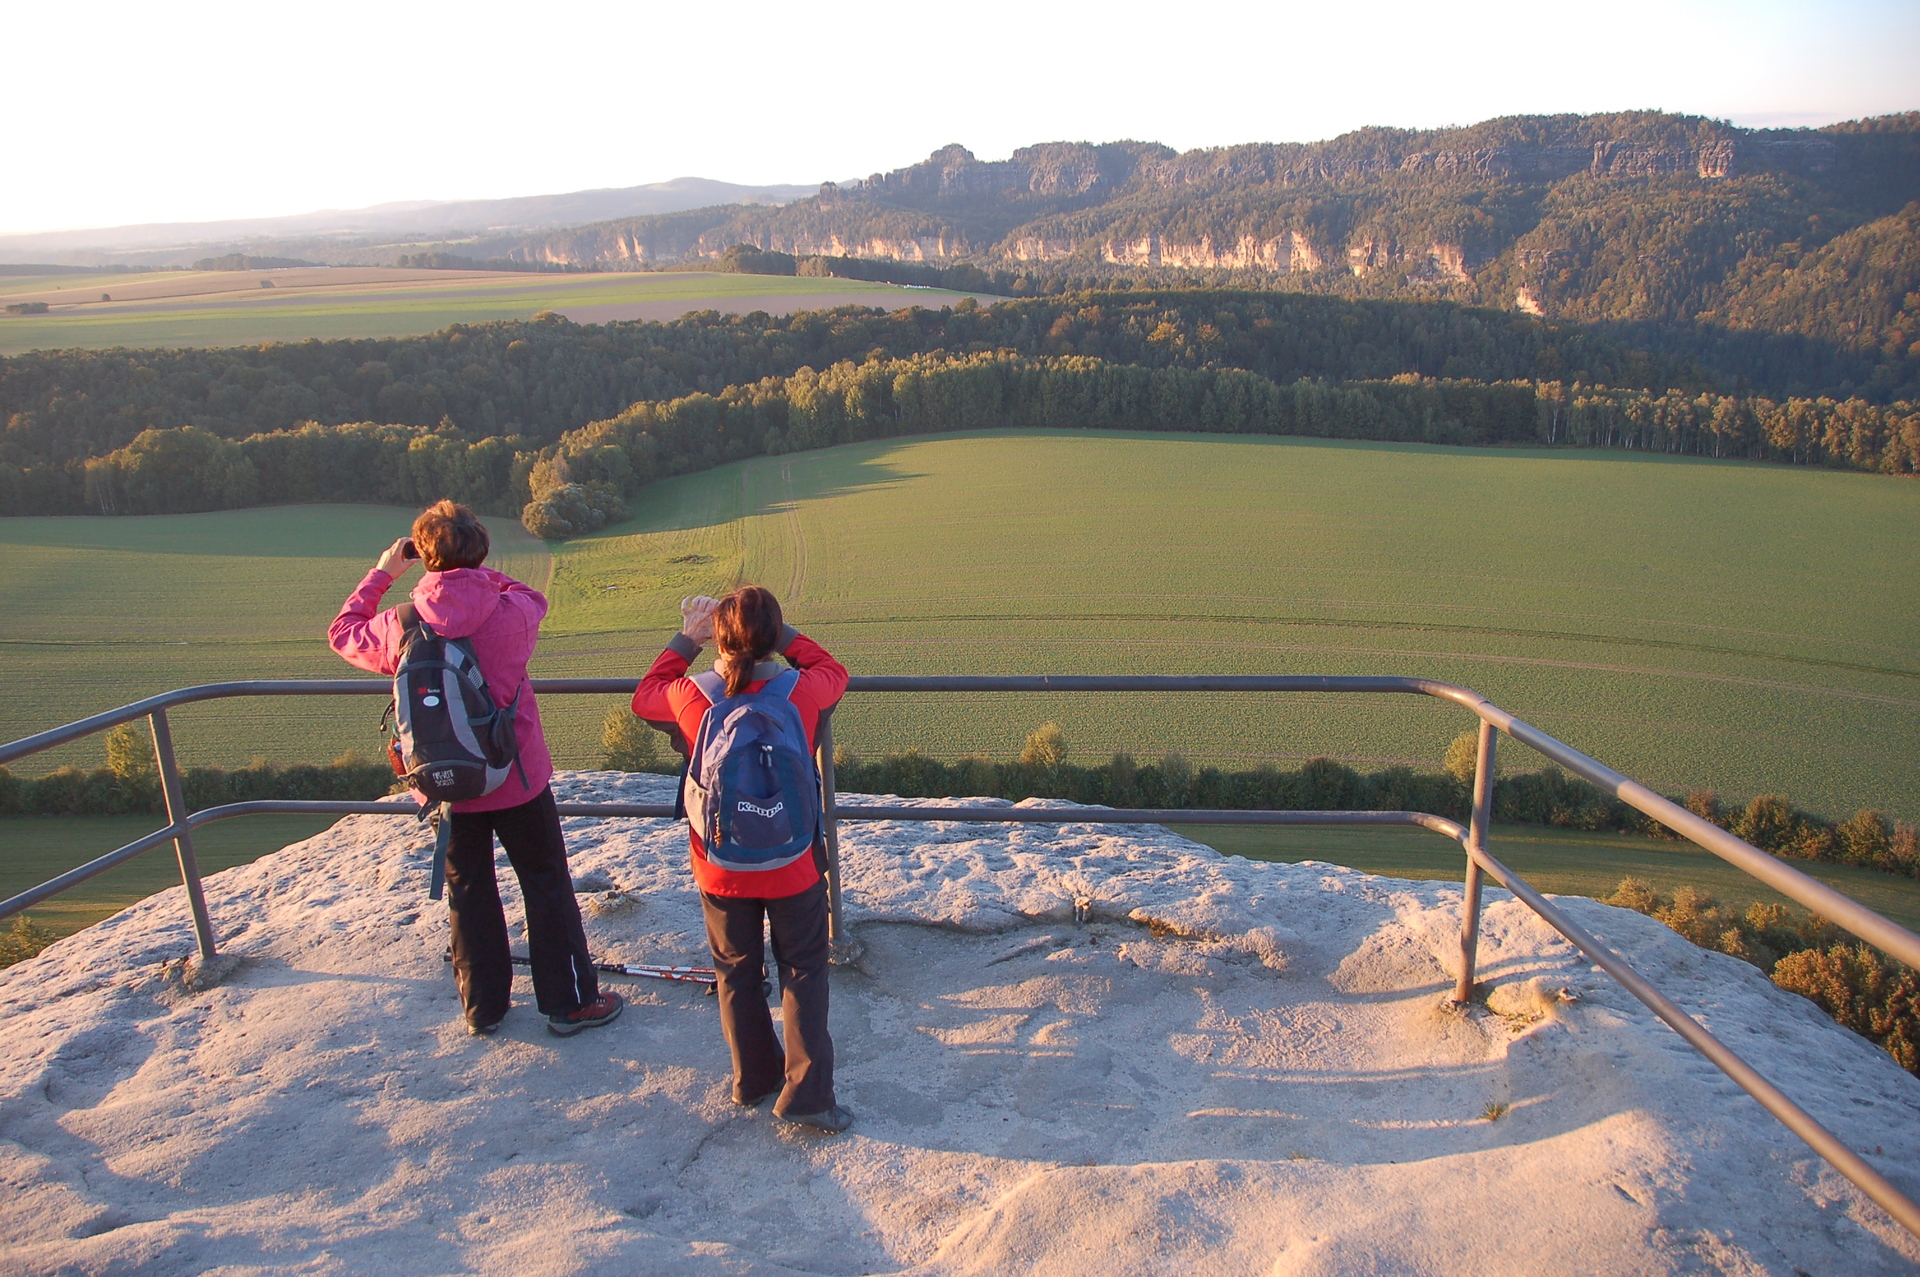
(566,423)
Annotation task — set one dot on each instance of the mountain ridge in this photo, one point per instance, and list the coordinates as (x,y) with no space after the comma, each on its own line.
(1634,216)
(410,217)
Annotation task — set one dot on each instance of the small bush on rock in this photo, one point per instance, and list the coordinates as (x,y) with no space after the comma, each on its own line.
(23,941)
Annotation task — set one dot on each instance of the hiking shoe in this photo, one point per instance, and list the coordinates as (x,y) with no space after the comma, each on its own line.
(483,1030)
(746,1101)
(604,1009)
(832,1121)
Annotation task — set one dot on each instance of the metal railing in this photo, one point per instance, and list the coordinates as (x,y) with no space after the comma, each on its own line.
(1817,896)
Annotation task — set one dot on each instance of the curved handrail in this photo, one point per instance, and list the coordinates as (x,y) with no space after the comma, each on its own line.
(1810,892)
(1862,921)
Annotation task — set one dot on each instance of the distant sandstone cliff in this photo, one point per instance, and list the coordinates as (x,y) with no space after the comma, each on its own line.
(1630,216)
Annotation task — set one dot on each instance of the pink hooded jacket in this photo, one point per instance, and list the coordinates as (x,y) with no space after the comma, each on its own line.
(503,618)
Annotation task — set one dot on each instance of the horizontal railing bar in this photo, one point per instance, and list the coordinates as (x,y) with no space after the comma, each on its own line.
(865,811)
(187,696)
(304,807)
(861,683)
(1146,683)
(1791,1115)
(1146,816)
(79,874)
(1856,918)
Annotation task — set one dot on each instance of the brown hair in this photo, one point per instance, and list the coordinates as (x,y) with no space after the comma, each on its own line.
(450,536)
(746,629)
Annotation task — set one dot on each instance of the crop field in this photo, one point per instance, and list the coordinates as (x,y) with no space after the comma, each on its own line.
(1563,862)
(35,848)
(232,308)
(106,611)
(1693,623)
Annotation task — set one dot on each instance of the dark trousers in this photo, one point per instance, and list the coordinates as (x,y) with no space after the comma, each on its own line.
(803,1073)
(563,977)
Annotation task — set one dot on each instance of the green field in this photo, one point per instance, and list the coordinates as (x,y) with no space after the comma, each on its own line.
(1693,623)
(230,308)
(36,848)
(1562,862)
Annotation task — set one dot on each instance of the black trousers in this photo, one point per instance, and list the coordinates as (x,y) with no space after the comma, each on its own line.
(803,1072)
(563,976)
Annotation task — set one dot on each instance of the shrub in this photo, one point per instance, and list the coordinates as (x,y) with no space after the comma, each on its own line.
(130,760)
(1768,822)
(1635,895)
(1865,839)
(1704,803)
(1903,851)
(631,745)
(1046,747)
(1876,998)
(571,510)
(23,941)
(1463,757)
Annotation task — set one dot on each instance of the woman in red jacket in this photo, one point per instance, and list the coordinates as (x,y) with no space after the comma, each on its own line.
(748,629)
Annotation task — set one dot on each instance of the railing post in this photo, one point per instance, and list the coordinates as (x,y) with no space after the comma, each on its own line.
(840,947)
(182,840)
(1477,838)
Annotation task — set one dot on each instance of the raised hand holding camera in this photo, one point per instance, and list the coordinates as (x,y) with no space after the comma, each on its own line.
(398,557)
(696,617)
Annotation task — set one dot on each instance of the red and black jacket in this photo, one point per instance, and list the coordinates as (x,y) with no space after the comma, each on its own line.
(670,701)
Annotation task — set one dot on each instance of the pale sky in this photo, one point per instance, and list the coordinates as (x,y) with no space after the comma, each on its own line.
(122,113)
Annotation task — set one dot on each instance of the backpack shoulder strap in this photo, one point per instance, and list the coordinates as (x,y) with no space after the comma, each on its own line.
(711,685)
(409,615)
(784,685)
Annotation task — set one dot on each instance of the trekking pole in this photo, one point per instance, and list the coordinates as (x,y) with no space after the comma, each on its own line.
(842,949)
(644,970)
(442,835)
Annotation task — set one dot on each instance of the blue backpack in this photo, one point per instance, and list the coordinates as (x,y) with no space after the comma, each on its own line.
(752,790)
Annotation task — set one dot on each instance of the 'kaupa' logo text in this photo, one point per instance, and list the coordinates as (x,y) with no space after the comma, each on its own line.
(775,810)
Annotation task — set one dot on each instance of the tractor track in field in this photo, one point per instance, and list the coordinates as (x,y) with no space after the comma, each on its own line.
(796,538)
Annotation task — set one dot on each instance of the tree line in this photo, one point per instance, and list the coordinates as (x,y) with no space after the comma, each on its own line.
(587,478)
(1859,987)
(542,378)
(1549,797)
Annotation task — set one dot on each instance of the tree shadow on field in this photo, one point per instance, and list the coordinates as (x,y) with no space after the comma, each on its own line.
(761,486)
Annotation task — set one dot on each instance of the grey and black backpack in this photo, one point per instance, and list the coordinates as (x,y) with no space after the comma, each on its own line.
(450,741)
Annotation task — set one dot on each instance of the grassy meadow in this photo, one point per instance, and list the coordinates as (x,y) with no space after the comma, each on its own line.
(1694,623)
(230,308)
(35,848)
(1564,862)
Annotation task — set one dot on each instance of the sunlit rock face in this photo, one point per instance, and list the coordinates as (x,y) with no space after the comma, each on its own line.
(1226,1067)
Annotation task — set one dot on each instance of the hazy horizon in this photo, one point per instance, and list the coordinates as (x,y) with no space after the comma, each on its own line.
(218,112)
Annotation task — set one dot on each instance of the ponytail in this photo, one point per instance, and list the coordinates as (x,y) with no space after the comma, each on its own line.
(746,629)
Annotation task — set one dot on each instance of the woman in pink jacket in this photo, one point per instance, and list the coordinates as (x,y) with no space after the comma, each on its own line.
(461,599)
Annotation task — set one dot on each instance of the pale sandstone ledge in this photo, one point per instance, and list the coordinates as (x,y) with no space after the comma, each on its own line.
(1234,1067)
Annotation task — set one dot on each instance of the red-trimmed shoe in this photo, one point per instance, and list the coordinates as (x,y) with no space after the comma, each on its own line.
(832,1121)
(604,1009)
